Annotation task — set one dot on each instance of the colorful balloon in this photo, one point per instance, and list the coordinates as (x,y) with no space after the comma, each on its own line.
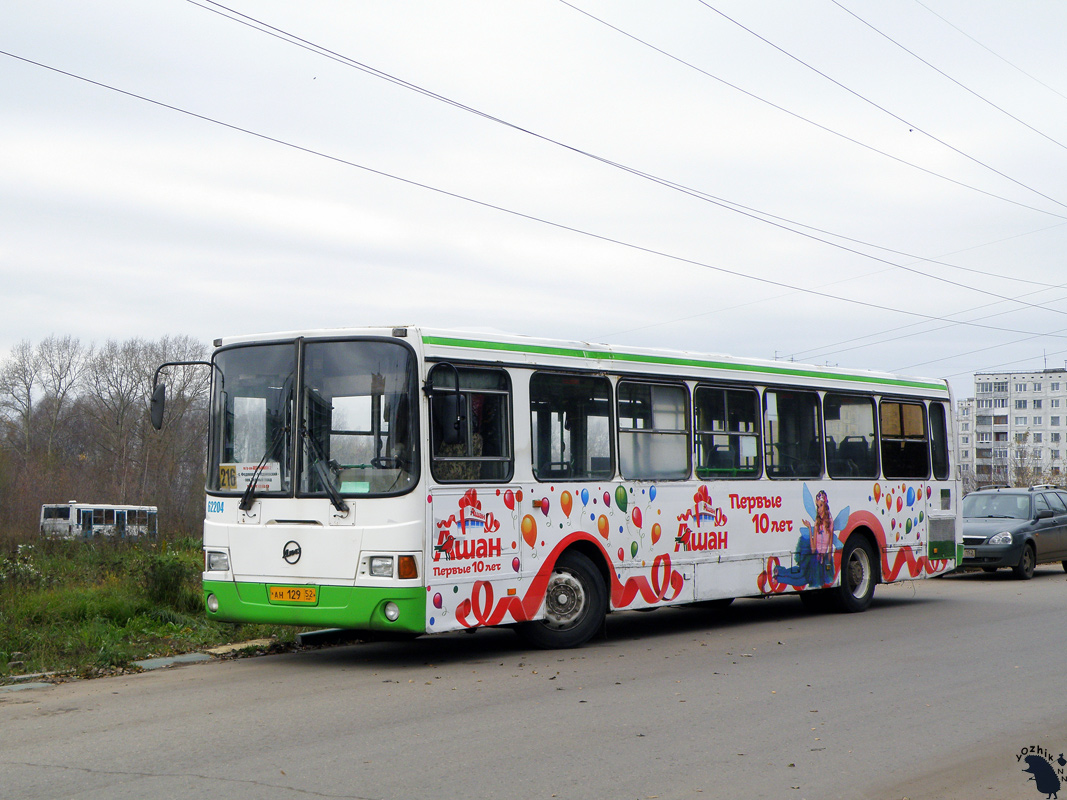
(515,563)
(529,530)
(922,516)
(585,497)
(927,492)
(888,503)
(877,491)
(602,526)
(622,555)
(900,503)
(518,495)
(509,499)
(633,549)
(636,516)
(438,601)
(620,498)
(607,499)
(657,531)
(544,506)
(907,525)
(911,496)
(651,492)
(566,502)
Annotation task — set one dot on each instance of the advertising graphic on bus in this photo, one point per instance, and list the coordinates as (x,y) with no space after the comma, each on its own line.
(87,520)
(404,480)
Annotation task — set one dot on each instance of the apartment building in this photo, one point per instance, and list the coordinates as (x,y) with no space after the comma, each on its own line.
(1016,429)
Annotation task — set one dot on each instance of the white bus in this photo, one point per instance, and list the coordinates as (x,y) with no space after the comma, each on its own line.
(419,481)
(86,520)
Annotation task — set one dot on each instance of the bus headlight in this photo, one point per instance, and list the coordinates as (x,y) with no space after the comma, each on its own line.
(217,562)
(212,603)
(392,611)
(381,566)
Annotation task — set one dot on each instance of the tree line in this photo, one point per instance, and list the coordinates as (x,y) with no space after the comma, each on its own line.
(75,426)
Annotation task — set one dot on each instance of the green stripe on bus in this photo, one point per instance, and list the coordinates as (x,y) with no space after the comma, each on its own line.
(569,352)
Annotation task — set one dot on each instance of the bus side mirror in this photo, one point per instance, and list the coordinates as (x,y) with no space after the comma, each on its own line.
(448,417)
(159,399)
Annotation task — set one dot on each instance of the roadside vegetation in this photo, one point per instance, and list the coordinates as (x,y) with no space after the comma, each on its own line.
(88,608)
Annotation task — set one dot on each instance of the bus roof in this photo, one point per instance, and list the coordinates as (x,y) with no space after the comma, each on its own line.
(478,345)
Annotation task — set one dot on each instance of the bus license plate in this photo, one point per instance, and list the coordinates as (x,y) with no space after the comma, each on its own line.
(293,594)
(968,553)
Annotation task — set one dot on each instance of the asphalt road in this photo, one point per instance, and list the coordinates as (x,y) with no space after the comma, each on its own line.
(932,693)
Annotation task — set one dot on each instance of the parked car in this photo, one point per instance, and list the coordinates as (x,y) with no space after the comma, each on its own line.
(1016,528)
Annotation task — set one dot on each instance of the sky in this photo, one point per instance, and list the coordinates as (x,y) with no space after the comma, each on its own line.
(866,184)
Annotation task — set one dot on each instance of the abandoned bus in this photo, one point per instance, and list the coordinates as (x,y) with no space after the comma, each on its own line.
(86,520)
(418,481)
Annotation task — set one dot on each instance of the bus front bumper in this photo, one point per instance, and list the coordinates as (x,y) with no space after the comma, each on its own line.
(351,607)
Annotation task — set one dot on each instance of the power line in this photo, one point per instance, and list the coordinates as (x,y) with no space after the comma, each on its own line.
(752,213)
(505,210)
(854,93)
(802,118)
(992,52)
(949,77)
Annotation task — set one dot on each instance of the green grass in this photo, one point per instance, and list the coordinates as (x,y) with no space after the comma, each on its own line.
(90,607)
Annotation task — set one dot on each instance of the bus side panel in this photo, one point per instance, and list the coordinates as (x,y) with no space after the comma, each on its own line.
(474,571)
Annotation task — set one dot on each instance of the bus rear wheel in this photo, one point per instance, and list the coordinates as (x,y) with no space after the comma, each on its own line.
(575,604)
(858,577)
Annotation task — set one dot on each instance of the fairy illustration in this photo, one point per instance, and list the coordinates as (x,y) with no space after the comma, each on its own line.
(813,563)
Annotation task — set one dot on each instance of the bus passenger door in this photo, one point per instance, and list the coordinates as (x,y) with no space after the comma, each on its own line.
(473,567)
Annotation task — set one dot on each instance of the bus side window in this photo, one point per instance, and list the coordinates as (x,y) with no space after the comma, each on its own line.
(939,441)
(727,433)
(850,436)
(653,431)
(570,418)
(793,434)
(905,448)
(480,450)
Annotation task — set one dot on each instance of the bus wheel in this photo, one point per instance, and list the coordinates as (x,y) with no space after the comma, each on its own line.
(858,577)
(575,604)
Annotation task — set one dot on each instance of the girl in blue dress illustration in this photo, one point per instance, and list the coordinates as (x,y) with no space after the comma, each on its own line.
(813,560)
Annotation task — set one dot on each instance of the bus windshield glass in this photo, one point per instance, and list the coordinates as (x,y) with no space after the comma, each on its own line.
(358,431)
(252,414)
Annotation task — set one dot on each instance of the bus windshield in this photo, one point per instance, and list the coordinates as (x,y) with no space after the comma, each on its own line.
(358,422)
(252,414)
(353,433)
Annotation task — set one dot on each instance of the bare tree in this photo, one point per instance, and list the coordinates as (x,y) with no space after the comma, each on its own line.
(62,361)
(18,379)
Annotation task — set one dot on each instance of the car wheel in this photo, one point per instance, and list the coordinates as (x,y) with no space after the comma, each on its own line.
(858,577)
(575,604)
(1024,570)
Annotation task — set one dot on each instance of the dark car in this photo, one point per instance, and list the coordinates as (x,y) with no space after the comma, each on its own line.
(1017,528)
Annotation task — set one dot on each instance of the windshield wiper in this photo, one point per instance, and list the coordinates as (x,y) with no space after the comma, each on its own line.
(320,470)
(249,495)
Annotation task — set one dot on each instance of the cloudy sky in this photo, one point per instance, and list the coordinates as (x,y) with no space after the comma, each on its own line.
(872,184)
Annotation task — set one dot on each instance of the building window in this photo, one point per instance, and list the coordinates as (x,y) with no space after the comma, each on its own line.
(1054,387)
(1000,387)
(1020,420)
(1053,421)
(983,387)
(1037,421)
(1037,404)
(1037,387)
(1037,438)
(1054,437)
(1002,402)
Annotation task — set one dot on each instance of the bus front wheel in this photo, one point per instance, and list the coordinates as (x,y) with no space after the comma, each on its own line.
(575,604)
